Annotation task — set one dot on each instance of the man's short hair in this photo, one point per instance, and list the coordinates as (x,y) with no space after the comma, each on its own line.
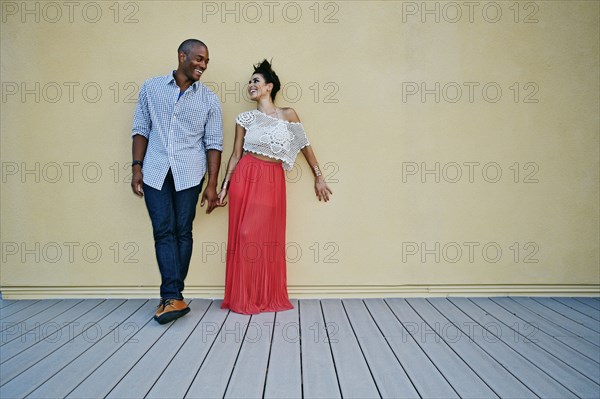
(188,44)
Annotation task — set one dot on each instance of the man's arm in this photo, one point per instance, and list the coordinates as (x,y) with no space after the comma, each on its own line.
(138,151)
(210,193)
(140,133)
(213,142)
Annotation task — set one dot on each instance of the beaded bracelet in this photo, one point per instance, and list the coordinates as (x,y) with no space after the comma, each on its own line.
(317,170)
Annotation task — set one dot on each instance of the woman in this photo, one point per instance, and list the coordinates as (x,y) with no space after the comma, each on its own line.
(267,141)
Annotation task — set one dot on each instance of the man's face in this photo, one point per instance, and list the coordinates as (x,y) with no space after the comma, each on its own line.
(195,63)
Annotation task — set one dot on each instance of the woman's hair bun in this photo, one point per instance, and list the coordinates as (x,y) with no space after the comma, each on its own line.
(264,69)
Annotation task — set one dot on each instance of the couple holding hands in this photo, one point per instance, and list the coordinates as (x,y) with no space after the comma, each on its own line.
(177,141)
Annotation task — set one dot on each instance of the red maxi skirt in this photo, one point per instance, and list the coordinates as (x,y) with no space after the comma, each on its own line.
(255,279)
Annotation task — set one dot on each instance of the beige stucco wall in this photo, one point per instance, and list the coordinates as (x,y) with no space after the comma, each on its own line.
(460,139)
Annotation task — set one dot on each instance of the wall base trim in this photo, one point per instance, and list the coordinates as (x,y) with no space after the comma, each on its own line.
(311,291)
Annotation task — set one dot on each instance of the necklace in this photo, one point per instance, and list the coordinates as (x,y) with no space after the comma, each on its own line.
(273,112)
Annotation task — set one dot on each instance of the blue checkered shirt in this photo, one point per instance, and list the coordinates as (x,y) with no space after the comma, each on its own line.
(179,130)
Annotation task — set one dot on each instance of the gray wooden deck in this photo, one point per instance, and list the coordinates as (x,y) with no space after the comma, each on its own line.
(508,347)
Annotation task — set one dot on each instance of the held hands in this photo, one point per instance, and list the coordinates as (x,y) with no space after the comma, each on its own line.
(322,189)
(210,195)
(221,197)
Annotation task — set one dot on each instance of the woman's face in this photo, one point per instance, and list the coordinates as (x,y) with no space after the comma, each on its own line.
(257,87)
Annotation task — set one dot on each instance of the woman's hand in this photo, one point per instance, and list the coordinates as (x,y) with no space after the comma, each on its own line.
(221,197)
(322,189)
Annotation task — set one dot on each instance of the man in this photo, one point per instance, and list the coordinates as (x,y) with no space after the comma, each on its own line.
(177,130)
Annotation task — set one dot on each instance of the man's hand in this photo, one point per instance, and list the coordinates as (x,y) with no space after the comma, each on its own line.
(136,181)
(210,195)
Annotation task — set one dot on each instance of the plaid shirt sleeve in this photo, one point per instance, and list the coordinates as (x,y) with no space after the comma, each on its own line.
(213,131)
(142,124)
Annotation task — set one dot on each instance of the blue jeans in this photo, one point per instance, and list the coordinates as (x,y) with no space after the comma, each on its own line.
(172,214)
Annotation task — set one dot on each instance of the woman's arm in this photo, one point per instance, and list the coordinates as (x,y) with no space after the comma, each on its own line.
(321,189)
(236,155)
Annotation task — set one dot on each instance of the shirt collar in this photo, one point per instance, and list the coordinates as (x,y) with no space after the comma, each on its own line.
(171,80)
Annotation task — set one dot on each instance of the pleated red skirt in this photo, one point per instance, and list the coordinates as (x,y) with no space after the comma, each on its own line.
(255,279)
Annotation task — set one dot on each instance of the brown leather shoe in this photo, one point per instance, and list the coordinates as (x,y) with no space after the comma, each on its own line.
(160,308)
(172,309)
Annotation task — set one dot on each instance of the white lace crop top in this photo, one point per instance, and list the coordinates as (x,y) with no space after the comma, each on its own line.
(272,137)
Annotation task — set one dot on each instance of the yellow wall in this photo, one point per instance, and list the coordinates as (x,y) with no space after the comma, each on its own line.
(517,94)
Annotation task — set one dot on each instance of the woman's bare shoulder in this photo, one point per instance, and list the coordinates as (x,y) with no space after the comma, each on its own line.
(289,114)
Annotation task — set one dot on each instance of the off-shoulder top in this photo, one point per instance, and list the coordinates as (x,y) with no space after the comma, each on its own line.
(272,137)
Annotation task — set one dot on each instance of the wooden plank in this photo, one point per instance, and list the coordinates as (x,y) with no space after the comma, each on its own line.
(213,377)
(580,307)
(557,319)
(284,375)
(554,367)
(17,307)
(391,379)
(22,354)
(554,324)
(566,311)
(176,379)
(17,330)
(28,312)
(102,380)
(141,377)
(530,374)
(455,370)
(534,323)
(6,302)
(526,325)
(423,373)
(28,380)
(319,378)
(354,376)
(589,301)
(44,347)
(63,382)
(249,372)
(70,368)
(502,382)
